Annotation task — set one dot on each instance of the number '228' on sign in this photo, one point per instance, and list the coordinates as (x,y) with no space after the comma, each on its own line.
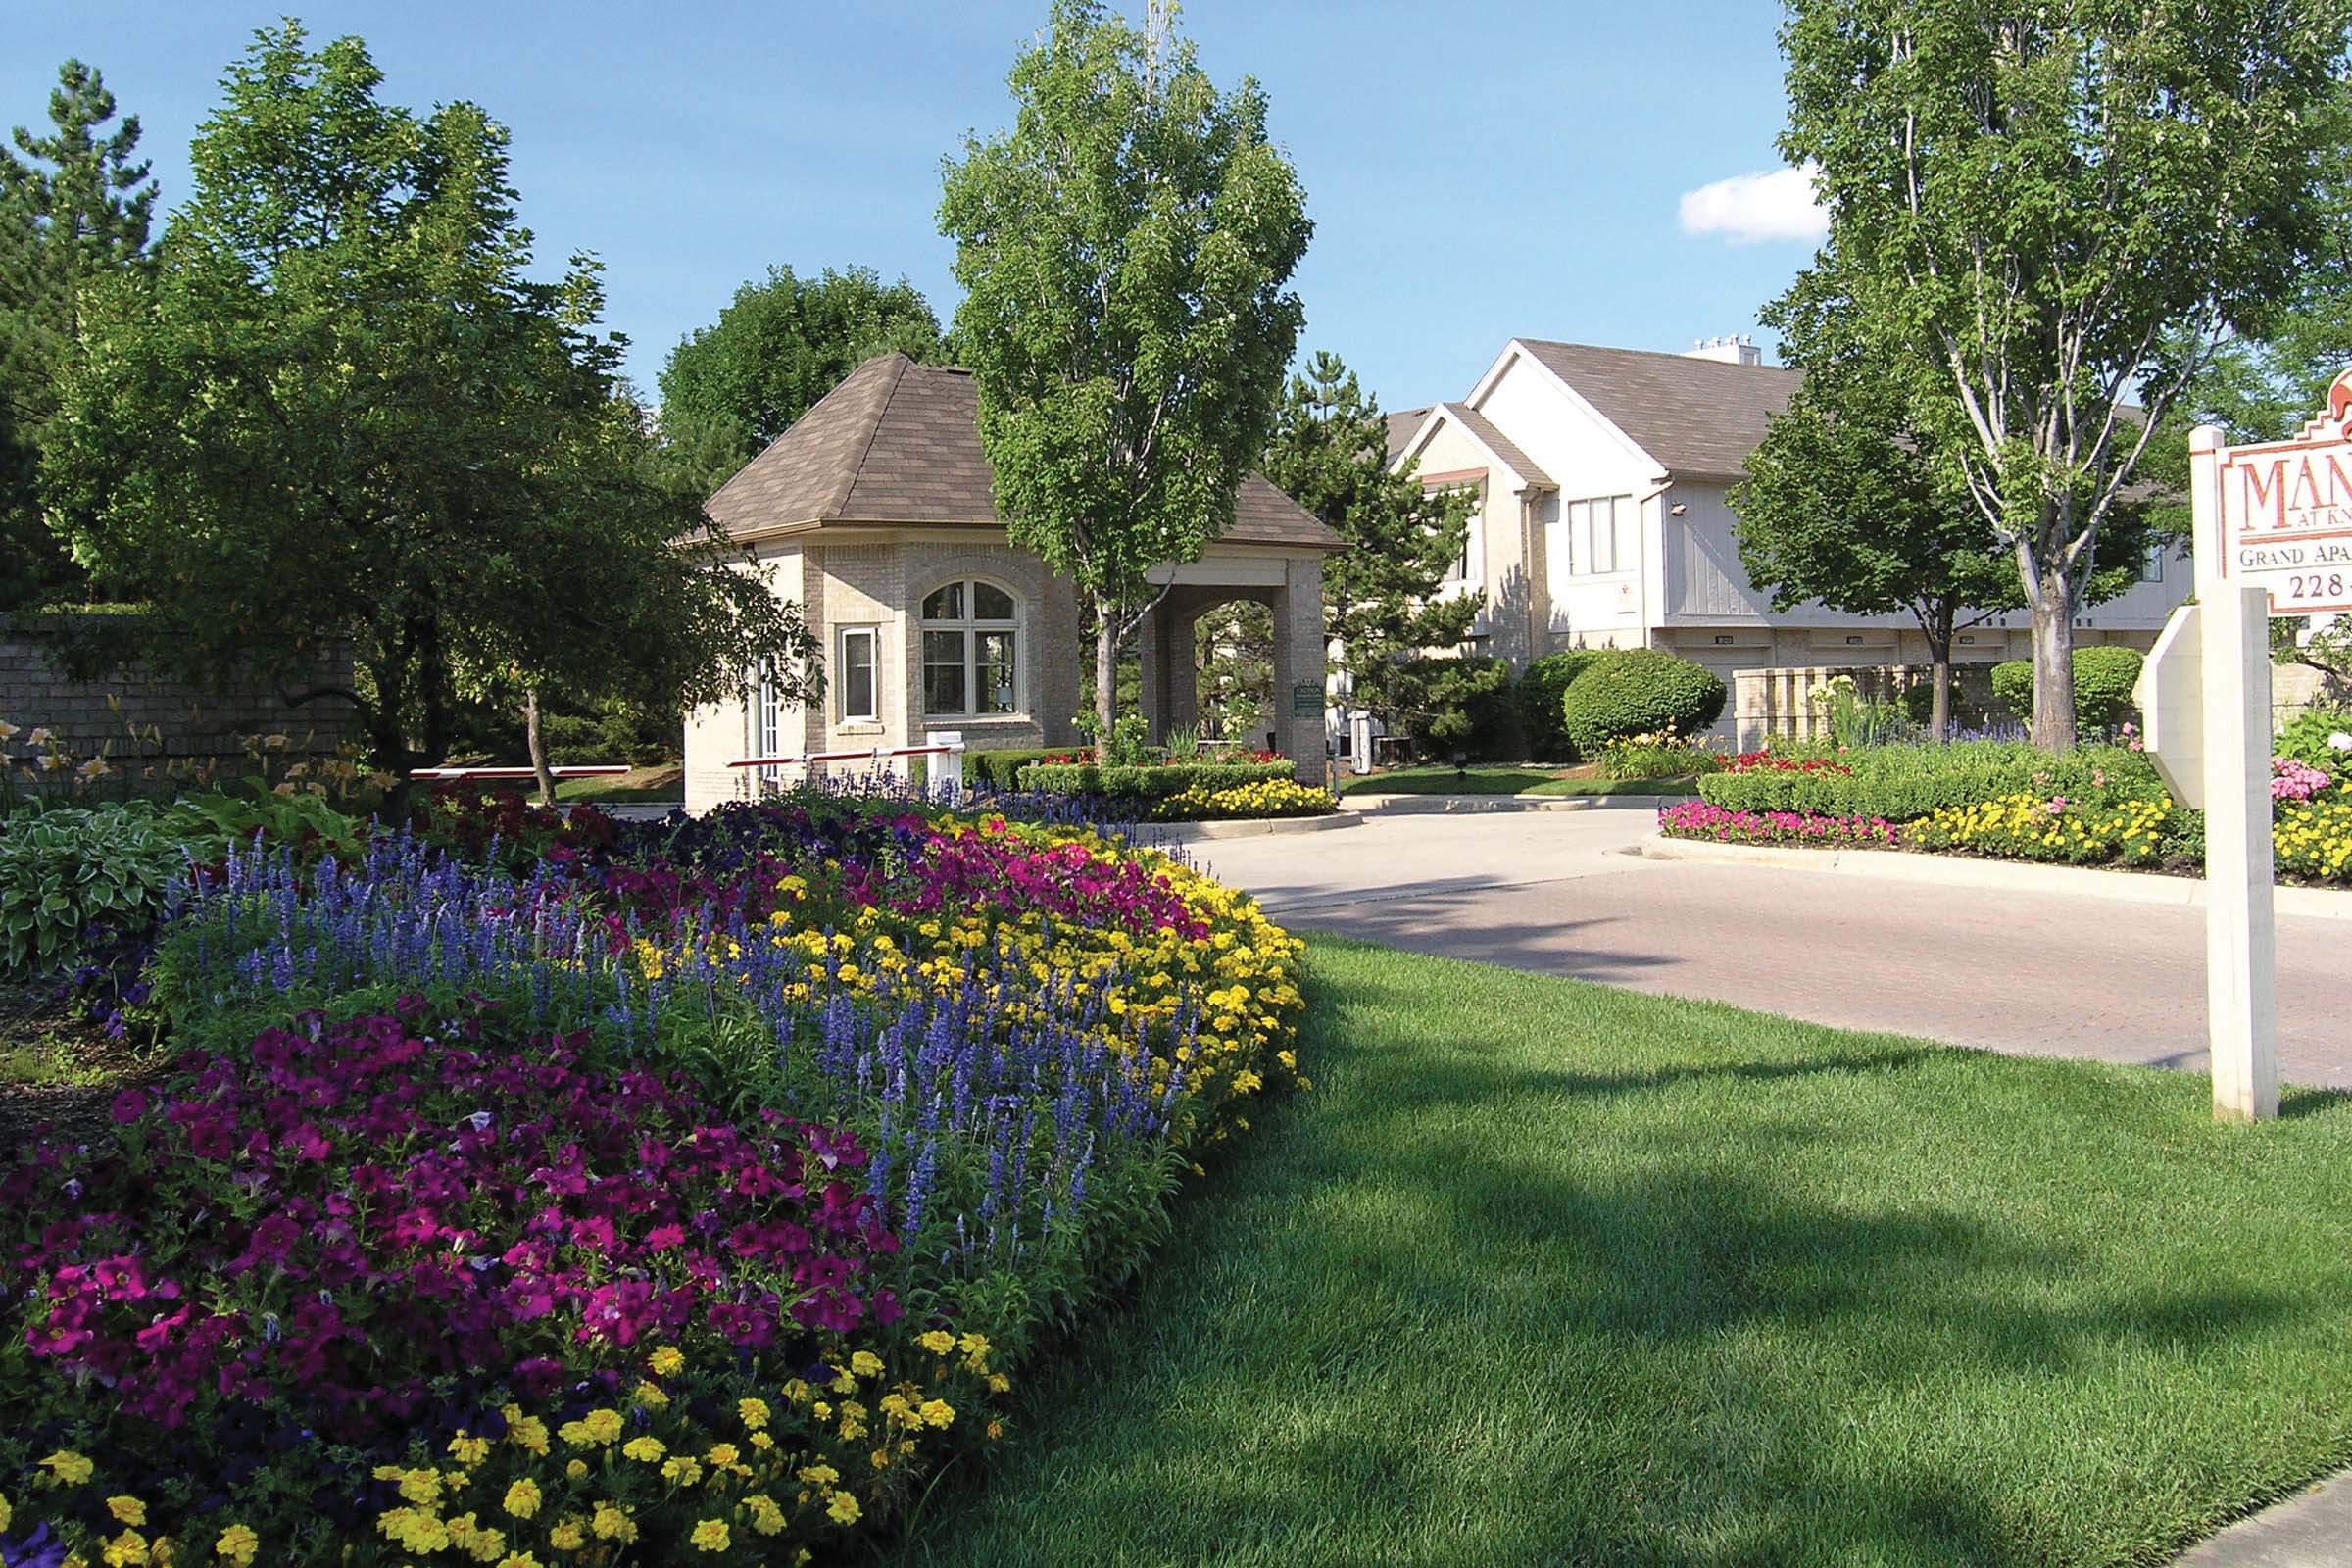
(2285,512)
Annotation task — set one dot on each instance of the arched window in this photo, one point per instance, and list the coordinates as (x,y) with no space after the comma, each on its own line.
(971,647)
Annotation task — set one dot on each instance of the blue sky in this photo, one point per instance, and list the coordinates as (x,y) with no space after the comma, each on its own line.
(1475,172)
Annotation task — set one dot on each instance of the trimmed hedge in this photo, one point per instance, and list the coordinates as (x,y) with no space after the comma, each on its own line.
(1541,690)
(1002,770)
(1640,691)
(1153,782)
(1904,783)
(2104,676)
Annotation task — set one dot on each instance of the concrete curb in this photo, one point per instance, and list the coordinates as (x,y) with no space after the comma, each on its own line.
(1473,805)
(2305,1530)
(1150,832)
(2008,877)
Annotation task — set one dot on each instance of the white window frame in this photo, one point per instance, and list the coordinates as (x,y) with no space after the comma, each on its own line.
(1596,530)
(972,626)
(872,636)
(766,718)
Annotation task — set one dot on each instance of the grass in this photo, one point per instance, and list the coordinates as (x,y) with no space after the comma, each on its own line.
(1494,779)
(1544,1273)
(663,781)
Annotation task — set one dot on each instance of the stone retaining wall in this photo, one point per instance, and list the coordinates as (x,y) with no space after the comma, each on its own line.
(192,722)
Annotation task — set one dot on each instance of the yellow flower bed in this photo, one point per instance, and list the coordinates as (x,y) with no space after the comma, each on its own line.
(2032,827)
(1274,797)
(2314,840)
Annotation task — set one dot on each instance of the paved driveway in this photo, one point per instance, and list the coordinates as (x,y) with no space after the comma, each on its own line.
(2039,975)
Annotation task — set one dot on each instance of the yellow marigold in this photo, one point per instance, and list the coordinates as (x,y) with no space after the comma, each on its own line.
(645,1450)
(67,1468)
(667,1362)
(682,1471)
(467,1448)
(710,1535)
(127,1509)
(939,1342)
(766,1517)
(612,1523)
(526,1432)
(421,1486)
(651,1397)
(127,1551)
(818,1475)
(237,1543)
(523,1499)
(6,1513)
(754,1413)
(576,1468)
(973,1345)
(569,1536)
(843,1509)
(722,1454)
(937,1413)
(604,1426)
(518,1559)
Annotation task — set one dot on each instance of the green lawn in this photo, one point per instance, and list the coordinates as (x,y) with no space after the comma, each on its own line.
(663,781)
(1547,1273)
(1491,779)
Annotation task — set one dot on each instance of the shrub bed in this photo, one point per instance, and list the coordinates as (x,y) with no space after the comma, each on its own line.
(1150,781)
(1903,783)
(685,1193)
(2104,676)
(1697,820)
(1638,691)
(1541,693)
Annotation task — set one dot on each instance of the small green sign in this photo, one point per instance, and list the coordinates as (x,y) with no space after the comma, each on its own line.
(1307,702)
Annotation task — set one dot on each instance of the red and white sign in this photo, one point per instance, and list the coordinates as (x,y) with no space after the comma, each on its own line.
(2285,514)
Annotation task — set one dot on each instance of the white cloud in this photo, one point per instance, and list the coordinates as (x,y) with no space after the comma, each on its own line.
(1752,208)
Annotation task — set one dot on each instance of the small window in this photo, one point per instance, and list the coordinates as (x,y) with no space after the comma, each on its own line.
(857,685)
(2152,568)
(971,638)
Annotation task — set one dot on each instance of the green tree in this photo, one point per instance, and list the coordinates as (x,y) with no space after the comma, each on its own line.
(1382,605)
(1125,252)
(74,209)
(2046,211)
(344,410)
(782,344)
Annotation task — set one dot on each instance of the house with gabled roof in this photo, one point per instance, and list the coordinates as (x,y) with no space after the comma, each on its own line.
(1603,479)
(876,512)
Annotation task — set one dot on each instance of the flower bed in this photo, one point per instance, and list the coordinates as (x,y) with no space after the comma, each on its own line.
(1697,820)
(683,1196)
(2034,827)
(1273,798)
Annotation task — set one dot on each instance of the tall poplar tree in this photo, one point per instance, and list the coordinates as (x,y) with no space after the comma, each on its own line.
(74,209)
(2046,213)
(1126,252)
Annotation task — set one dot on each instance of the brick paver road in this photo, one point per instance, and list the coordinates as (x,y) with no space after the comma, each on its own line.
(2041,974)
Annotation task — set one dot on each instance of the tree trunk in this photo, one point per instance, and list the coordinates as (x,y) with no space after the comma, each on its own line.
(536,747)
(2053,668)
(1106,677)
(1937,630)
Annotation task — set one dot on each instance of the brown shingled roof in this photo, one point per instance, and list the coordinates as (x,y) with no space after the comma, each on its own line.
(900,442)
(1494,441)
(1699,417)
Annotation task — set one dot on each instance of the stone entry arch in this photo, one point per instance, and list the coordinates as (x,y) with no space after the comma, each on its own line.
(1288,583)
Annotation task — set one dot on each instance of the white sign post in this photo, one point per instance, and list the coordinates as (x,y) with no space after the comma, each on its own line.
(2274,536)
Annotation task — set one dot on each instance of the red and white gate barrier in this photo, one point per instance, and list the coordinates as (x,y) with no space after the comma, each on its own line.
(583,770)
(946,779)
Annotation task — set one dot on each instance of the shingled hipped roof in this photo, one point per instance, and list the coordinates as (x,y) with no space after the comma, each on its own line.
(1699,417)
(898,442)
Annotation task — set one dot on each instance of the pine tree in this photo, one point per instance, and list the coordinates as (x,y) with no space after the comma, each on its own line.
(1381,603)
(75,207)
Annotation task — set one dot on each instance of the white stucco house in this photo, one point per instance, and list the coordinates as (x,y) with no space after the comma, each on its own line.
(1603,518)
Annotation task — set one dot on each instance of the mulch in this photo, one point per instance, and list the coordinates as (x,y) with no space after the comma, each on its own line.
(33,1014)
